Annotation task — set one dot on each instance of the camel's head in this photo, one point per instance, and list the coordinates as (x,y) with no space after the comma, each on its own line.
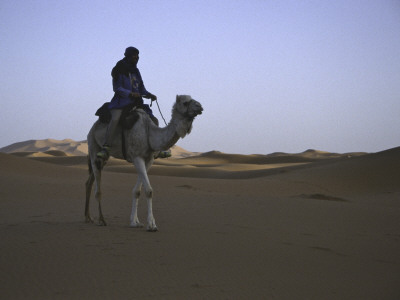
(187,106)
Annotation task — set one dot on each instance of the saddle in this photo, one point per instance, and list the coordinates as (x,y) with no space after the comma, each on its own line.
(128,118)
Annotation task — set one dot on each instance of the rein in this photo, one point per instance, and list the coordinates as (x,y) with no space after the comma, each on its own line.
(159,110)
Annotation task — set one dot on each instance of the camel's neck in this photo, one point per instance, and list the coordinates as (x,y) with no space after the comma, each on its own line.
(165,138)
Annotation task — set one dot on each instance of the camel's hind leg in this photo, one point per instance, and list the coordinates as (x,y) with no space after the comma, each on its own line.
(97,194)
(94,177)
(96,133)
(89,184)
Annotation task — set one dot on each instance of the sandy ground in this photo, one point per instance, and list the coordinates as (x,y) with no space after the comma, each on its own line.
(303,226)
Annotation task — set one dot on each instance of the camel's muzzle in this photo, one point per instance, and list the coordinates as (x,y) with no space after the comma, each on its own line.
(196,108)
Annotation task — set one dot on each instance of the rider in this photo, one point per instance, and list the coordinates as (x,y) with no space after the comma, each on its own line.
(129,89)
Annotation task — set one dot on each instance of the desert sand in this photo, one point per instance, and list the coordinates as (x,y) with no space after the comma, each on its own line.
(313,225)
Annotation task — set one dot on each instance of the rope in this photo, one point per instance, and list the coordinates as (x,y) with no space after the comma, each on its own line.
(159,110)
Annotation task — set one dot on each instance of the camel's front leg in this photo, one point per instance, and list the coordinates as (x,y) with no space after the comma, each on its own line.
(136,195)
(142,174)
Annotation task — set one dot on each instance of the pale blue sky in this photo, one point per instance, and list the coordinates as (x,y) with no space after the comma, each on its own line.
(271,75)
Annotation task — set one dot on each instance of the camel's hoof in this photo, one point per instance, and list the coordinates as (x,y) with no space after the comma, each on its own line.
(152,229)
(136,225)
(102,223)
(88,219)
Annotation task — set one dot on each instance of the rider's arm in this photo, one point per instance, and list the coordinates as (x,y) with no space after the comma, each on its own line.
(144,93)
(142,90)
(120,88)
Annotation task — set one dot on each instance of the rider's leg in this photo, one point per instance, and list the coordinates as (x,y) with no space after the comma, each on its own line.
(112,126)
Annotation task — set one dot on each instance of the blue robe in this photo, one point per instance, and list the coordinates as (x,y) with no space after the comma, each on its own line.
(123,85)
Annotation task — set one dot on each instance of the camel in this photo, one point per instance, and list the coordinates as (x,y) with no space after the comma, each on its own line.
(142,142)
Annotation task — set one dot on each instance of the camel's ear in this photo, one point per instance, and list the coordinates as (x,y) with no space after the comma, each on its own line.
(177,97)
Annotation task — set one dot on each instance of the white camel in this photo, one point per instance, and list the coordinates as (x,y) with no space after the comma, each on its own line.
(142,142)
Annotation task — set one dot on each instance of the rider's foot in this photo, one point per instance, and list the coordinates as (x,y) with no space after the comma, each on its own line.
(163,154)
(104,154)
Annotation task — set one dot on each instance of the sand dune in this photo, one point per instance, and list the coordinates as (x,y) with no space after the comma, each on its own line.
(313,225)
(212,164)
(67,147)
(368,172)
(307,156)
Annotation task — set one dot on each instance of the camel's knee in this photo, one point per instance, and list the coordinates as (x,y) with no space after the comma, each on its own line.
(136,194)
(149,193)
(136,191)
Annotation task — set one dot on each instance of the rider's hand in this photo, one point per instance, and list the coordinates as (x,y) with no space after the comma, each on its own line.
(151,96)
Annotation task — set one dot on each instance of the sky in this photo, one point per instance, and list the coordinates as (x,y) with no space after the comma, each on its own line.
(272,76)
